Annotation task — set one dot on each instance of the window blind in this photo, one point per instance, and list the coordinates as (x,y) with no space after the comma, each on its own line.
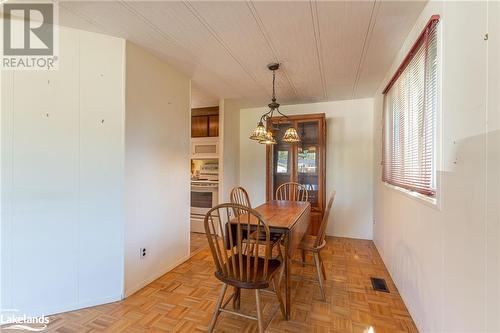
(410,107)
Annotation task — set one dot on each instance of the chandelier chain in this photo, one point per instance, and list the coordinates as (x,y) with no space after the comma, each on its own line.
(265,136)
(274,91)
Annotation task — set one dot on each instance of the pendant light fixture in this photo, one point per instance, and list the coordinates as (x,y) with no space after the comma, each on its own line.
(260,133)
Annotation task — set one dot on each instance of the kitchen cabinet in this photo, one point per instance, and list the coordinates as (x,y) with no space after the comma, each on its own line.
(199,126)
(205,122)
(302,162)
(213,125)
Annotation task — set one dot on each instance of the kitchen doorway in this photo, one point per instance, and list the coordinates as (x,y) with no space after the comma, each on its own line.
(204,171)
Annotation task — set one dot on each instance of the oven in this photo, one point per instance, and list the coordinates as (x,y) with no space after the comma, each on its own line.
(204,196)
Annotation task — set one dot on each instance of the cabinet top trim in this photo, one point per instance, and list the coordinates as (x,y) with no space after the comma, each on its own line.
(314,116)
(207,111)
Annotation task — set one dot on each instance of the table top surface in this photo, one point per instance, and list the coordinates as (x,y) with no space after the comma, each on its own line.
(282,214)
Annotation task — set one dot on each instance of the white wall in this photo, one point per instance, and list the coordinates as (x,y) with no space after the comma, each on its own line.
(62,179)
(157,168)
(89,177)
(493,171)
(229,117)
(349,161)
(444,259)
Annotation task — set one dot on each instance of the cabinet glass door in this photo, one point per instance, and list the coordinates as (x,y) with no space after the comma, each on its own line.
(282,157)
(308,158)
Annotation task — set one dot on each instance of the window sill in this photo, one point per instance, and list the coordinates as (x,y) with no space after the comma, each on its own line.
(431,202)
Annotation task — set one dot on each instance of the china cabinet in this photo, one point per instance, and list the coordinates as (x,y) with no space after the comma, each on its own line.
(302,162)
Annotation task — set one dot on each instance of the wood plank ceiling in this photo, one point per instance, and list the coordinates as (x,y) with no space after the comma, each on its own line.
(329,50)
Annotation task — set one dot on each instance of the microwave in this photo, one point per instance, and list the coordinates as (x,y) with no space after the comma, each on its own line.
(205,147)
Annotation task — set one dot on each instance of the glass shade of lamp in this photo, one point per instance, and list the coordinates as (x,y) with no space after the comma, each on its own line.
(259,133)
(269,140)
(291,136)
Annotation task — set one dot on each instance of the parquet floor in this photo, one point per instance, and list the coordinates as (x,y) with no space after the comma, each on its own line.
(198,242)
(183,300)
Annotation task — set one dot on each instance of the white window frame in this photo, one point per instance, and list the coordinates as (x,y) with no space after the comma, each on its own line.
(435,201)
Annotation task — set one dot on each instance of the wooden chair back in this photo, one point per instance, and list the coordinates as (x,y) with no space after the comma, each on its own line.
(235,252)
(324,222)
(292,191)
(240,196)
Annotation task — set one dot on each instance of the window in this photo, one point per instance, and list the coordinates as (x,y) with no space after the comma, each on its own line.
(282,165)
(307,160)
(410,108)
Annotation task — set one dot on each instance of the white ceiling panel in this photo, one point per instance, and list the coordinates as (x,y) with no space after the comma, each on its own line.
(238,26)
(394,20)
(201,98)
(177,19)
(344,26)
(289,25)
(122,19)
(328,50)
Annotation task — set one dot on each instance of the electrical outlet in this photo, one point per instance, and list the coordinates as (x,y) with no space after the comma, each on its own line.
(142,252)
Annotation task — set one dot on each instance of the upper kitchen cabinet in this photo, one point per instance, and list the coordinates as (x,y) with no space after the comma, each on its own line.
(205,122)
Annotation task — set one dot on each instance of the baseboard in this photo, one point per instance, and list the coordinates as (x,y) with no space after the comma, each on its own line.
(150,279)
(90,303)
(74,306)
(349,237)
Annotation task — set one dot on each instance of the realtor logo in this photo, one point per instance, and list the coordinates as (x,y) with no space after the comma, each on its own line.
(29,36)
(11,319)
(33,33)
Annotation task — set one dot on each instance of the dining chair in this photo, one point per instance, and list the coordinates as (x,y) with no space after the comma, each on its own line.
(292,191)
(227,236)
(314,245)
(239,196)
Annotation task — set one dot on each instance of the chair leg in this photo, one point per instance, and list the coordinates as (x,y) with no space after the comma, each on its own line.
(217,308)
(320,277)
(303,252)
(322,266)
(277,290)
(260,317)
(280,254)
(282,272)
(237,298)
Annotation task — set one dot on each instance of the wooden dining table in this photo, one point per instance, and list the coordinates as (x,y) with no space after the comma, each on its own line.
(291,219)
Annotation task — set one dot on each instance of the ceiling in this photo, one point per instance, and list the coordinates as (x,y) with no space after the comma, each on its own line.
(328,50)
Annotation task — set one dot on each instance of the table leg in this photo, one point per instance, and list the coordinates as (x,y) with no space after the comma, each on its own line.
(287,277)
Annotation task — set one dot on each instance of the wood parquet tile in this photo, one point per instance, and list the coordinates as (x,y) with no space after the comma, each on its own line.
(183,300)
(198,241)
